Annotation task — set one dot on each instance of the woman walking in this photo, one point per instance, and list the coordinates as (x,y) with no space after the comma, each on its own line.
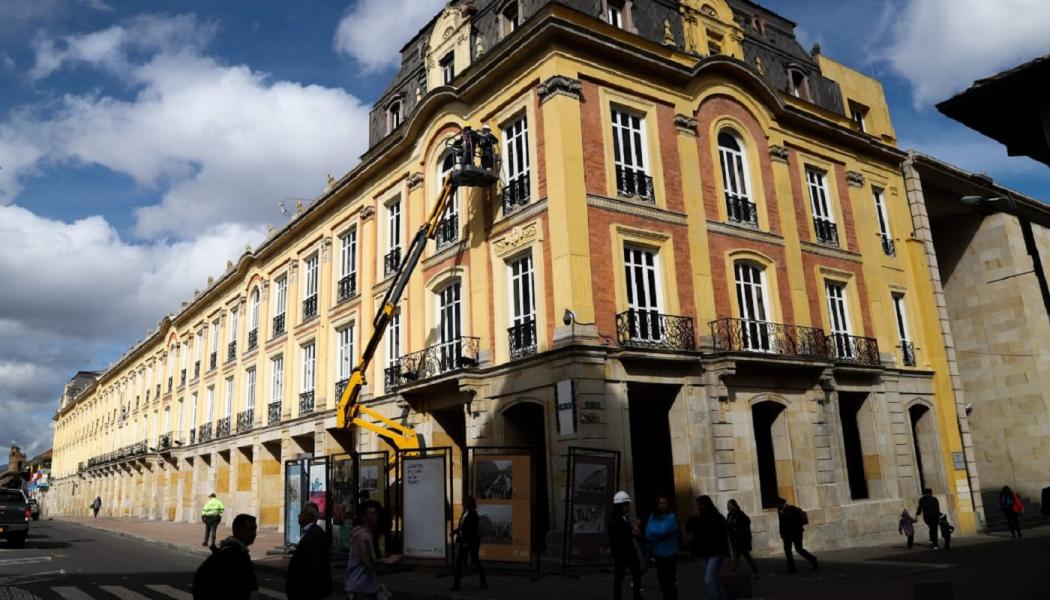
(662,533)
(1012,508)
(711,541)
(739,525)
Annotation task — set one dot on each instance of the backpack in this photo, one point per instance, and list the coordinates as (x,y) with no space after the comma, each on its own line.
(803,517)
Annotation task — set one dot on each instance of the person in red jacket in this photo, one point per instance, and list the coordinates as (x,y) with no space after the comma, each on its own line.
(1012,507)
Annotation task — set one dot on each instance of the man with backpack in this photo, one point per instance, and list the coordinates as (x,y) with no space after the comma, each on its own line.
(792,525)
(930,510)
(228,574)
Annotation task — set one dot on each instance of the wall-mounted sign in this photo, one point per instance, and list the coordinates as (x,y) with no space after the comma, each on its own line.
(565,400)
(959,460)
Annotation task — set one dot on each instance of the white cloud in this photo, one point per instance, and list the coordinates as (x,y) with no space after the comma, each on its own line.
(224,143)
(372,32)
(941,46)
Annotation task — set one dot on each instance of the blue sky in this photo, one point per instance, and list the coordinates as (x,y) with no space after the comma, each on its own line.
(142,144)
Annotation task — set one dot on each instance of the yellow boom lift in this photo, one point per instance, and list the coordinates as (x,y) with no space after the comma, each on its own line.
(476,164)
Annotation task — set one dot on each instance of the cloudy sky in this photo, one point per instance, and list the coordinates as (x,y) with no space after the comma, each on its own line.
(143,144)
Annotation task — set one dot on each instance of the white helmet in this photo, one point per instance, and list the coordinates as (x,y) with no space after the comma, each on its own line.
(621,497)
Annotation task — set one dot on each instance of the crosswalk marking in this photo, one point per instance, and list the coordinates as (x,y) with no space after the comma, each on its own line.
(273,593)
(123,593)
(167,590)
(71,593)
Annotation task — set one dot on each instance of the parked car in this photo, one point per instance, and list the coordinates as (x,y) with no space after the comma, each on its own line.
(34,508)
(14,516)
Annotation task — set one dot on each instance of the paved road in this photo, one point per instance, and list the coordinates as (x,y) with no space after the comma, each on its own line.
(69,562)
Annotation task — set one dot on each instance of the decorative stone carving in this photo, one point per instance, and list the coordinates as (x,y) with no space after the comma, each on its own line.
(669,35)
(292,268)
(331,182)
(299,207)
(270,230)
(229,266)
(326,244)
(516,238)
(368,212)
(559,84)
(708,11)
(778,153)
(685,124)
(479,46)
(761,68)
(854,179)
(414,180)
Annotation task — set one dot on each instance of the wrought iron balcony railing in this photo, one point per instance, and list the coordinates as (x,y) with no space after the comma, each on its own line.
(278,325)
(459,353)
(253,339)
(171,384)
(196,369)
(182,378)
(139,448)
(764,337)
(391,262)
(164,442)
(245,420)
(204,433)
(908,353)
(347,286)
(516,194)
(741,210)
(310,307)
(887,245)
(522,338)
(392,376)
(650,329)
(213,360)
(340,387)
(306,403)
(634,183)
(447,231)
(193,435)
(273,413)
(854,349)
(231,351)
(222,427)
(827,231)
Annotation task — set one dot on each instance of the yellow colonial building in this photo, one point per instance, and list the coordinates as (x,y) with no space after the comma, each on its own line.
(700,255)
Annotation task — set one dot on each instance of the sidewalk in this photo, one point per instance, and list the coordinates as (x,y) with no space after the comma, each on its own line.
(870,572)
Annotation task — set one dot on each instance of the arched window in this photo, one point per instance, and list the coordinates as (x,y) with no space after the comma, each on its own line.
(450,325)
(739,206)
(510,17)
(253,319)
(797,83)
(394,115)
(448,229)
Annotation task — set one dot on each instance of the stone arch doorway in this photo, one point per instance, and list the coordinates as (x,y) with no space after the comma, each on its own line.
(925,444)
(776,471)
(525,424)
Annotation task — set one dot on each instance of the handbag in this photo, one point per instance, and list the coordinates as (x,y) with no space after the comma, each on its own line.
(1018,505)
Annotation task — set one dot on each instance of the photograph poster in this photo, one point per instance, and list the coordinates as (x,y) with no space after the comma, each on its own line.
(502,486)
(593,481)
(342,497)
(293,501)
(319,486)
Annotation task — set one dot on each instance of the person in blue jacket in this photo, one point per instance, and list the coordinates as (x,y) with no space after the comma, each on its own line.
(662,533)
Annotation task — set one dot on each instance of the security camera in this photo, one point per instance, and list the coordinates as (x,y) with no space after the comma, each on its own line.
(968,408)
(569,317)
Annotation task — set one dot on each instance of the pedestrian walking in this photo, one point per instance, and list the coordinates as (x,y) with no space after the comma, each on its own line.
(309,574)
(228,574)
(709,539)
(211,515)
(96,505)
(1012,507)
(946,531)
(383,527)
(362,580)
(467,543)
(739,538)
(793,521)
(622,535)
(662,533)
(906,527)
(930,511)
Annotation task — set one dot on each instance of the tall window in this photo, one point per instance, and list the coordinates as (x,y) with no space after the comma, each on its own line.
(393,238)
(193,410)
(522,307)
(858,114)
(797,83)
(229,397)
(345,354)
(214,342)
(839,315)
(253,318)
(394,115)
(450,326)
(209,406)
(643,293)
(280,298)
(614,13)
(509,17)
(823,222)
(310,287)
(348,264)
(630,155)
(249,390)
(516,163)
(393,351)
(309,363)
(907,348)
(448,229)
(232,337)
(739,206)
(276,378)
(884,223)
(448,68)
(751,298)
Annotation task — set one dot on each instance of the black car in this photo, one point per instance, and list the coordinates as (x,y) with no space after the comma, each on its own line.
(14,516)
(34,508)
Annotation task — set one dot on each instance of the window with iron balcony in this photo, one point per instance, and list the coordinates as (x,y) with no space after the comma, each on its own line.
(629,152)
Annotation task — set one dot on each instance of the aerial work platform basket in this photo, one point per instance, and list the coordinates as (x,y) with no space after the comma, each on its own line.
(476,159)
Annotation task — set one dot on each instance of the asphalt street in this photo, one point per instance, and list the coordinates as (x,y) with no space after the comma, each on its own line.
(69,562)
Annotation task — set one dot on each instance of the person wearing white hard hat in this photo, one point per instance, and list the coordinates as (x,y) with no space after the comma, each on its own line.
(622,533)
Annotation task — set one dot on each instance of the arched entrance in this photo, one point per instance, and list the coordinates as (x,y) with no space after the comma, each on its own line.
(773,452)
(925,442)
(525,424)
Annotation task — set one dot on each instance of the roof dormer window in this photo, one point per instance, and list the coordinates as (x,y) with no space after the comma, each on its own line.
(393,115)
(617,13)
(797,84)
(448,68)
(509,18)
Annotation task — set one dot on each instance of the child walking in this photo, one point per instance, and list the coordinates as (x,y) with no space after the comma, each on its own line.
(906,527)
(946,531)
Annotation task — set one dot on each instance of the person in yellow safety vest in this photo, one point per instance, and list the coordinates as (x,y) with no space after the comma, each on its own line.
(211,514)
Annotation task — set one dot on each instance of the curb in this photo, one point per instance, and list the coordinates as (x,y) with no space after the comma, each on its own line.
(142,538)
